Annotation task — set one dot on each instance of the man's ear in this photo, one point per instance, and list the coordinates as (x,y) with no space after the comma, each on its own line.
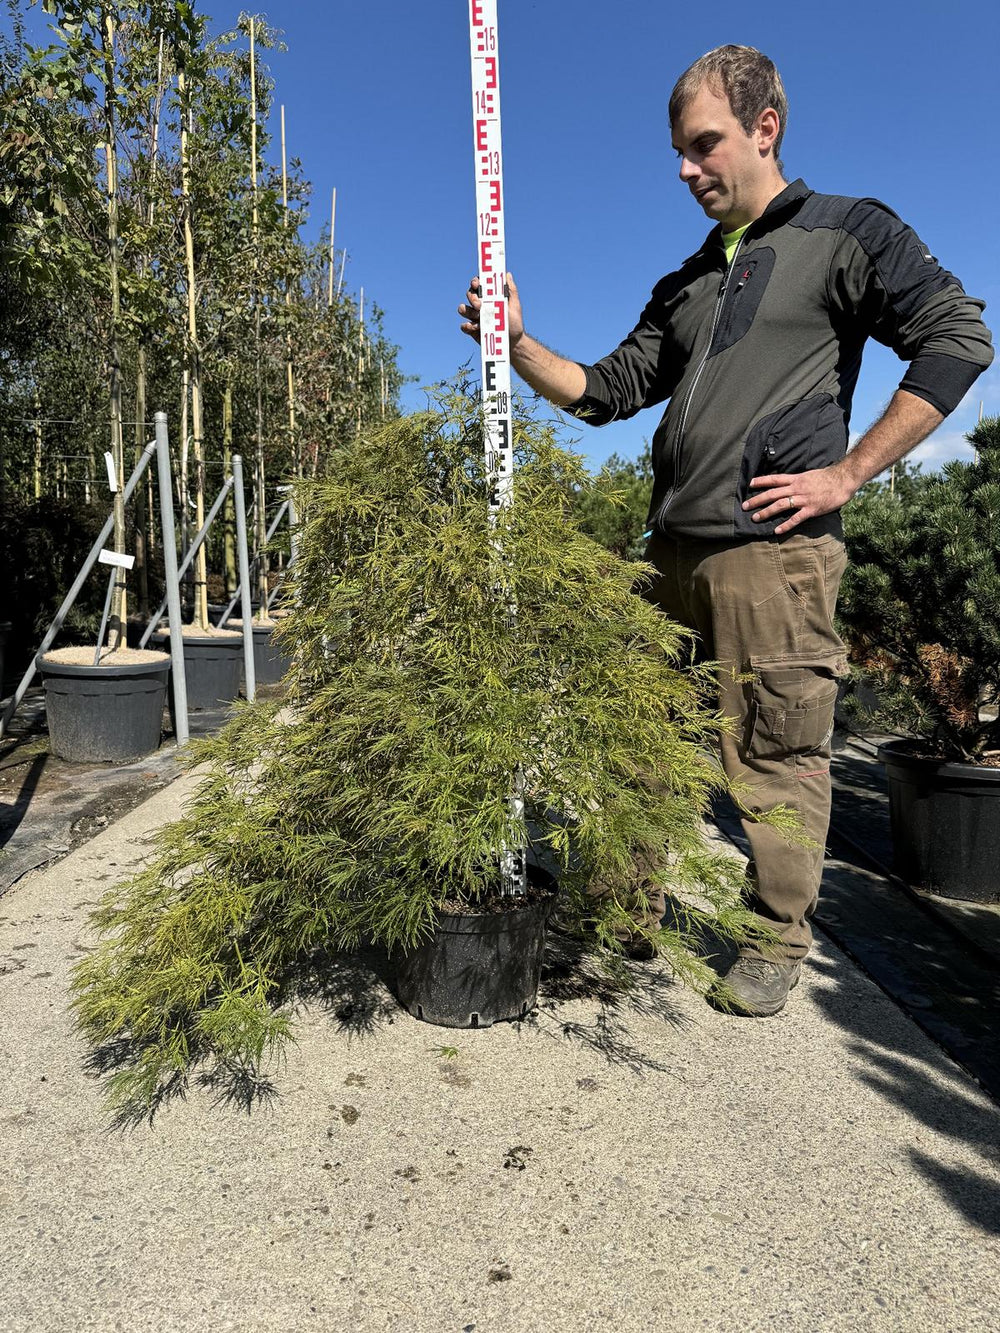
(768,126)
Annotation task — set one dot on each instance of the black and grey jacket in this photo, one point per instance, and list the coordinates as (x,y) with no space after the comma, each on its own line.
(759,361)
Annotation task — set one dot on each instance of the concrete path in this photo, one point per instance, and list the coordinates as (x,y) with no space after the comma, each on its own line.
(632,1165)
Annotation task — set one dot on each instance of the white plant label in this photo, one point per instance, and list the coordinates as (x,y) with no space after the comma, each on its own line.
(116,558)
(494,345)
(109,463)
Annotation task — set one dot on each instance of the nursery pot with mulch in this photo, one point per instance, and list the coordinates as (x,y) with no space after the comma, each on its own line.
(213,660)
(944,818)
(109,713)
(479,968)
(270,662)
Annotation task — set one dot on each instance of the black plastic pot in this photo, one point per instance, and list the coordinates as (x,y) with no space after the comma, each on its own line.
(212,666)
(269,661)
(477,970)
(945,819)
(104,714)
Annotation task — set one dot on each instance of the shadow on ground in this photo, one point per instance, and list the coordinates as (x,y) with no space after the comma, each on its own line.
(355,992)
(947,989)
(13,812)
(896,1062)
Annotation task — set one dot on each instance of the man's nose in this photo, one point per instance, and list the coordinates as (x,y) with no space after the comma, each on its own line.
(688,171)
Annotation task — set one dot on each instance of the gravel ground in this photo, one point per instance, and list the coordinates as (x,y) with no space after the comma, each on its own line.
(631,1164)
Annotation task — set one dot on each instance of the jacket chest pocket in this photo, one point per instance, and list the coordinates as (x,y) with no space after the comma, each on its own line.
(747,285)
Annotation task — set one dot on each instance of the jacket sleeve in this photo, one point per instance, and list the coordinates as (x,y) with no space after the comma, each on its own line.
(642,370)
(884,275)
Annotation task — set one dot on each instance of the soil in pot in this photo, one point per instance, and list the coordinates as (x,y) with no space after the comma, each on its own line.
(108,713)
(480,966)
(945,818)
(213,660)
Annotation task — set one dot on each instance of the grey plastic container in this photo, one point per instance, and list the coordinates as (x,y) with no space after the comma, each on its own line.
(104,714)
(478,969)
(270,662)
(212,666)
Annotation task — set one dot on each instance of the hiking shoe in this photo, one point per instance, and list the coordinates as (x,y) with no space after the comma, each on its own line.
(758,988)
(639,949)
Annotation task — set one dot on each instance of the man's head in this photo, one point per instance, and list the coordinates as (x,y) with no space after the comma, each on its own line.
(727,118)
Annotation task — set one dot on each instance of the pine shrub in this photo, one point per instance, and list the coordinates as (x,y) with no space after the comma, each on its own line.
(920,603)
(379,789)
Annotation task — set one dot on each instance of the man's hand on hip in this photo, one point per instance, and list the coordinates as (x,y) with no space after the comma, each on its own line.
(799,496)
(906,421)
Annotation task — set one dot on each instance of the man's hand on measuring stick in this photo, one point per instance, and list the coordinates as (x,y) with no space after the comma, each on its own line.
(560,381)
(473,301)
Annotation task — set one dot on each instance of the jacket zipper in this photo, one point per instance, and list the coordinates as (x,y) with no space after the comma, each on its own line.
(679,438)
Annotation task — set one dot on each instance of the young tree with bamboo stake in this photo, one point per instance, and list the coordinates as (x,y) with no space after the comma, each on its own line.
(259,477)
(293,444)
(193,353)
(116,623)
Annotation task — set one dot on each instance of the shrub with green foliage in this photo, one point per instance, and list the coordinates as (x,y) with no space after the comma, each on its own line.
(613,508)
(920,602)
(380,788)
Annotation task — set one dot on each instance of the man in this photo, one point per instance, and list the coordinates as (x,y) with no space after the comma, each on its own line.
(756,341)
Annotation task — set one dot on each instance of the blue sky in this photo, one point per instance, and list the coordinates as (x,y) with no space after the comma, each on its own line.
(886,99)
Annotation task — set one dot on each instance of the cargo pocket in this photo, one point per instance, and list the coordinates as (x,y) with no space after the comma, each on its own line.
(792,705)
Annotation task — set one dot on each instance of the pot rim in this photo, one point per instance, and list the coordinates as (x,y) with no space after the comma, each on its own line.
(225,638)
(543,879)
(108,670)
(900,752)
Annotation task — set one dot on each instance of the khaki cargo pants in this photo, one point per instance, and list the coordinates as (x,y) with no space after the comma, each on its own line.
(766,607)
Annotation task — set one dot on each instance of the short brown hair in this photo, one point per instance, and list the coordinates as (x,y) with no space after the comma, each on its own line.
(749,80)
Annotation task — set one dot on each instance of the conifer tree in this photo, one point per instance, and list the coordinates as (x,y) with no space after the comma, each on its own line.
(614,510)
(920,602)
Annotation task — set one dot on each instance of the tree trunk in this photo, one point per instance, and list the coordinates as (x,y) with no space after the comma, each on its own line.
(229,507)
(38,444)
(182,471)
(141,493)
(119,605)
(259,471)
(194,361)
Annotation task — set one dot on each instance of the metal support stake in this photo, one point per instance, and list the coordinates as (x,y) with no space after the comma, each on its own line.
(104,619)
(172,581)
(293,548)
(189,555)
(253,564)
(241,551)
(74,591)
(293,539)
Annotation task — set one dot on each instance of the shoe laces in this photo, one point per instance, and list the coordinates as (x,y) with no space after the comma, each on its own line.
(755,967)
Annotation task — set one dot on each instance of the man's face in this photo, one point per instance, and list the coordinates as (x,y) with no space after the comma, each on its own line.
(720,164)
